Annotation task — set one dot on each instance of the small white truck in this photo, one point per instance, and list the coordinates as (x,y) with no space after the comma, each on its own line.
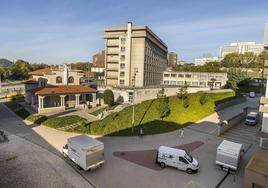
(229,155)
(86,152)
(177,158)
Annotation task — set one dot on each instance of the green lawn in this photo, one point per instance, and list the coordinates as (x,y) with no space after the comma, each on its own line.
(96,112)
(146,116)
(66,122)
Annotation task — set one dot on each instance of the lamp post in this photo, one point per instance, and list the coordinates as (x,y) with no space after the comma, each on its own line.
(133,99)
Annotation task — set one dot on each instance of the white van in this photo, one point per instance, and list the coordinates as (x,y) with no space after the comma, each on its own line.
(86,152)
(229,155)
(177,158)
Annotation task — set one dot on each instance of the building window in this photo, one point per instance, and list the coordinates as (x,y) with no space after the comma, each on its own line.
(122,65)
(180,83)
(172,82)
(194,83)
(122,57)
(58,80)
(122,73)
(166,75)
(123,40)
(181,75)
(71,79)
(166,82)
(188,76)
(123,49)
(122,82)
(173,75)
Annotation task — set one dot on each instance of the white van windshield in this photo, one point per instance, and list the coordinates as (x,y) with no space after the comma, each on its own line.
(251,118)
(188,157)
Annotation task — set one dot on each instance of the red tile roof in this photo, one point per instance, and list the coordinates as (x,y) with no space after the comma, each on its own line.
(41,72)
(62,89)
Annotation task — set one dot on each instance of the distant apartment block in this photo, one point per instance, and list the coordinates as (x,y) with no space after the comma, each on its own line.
(194,79)
(204,60)
(98,62)
(172,59)
(266,37)
(241,47)
(133,51)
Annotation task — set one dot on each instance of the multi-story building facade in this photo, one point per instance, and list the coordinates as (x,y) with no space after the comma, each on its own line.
(172,59)
(204,60)
(256,172)
(195,79)
(241,47)
(133,52)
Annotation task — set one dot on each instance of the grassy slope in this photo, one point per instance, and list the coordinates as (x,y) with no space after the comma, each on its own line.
(65,121)
(96,112)
(146,115)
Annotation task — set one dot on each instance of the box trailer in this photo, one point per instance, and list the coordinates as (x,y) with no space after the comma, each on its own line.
(228,155)
(84,151)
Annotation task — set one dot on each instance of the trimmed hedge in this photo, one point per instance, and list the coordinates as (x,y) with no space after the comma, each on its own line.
(38,119)
(17,98)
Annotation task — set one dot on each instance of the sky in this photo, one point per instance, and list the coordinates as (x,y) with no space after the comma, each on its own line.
(66,31)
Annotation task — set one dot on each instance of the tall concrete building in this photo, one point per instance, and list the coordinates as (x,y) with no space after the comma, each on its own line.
(256,172)
(241,47)
(172,59)
(133,52)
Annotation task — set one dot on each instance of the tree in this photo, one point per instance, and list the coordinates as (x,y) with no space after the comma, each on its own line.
(231,60)
(163,107)
(236,77)
(203,98)
(211,84)
(183,94)
(108,97)
(261,58)
(19,70)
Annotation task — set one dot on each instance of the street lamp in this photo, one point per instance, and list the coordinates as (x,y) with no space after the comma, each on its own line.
(133,99)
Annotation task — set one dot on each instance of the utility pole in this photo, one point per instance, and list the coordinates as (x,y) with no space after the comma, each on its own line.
(133,99)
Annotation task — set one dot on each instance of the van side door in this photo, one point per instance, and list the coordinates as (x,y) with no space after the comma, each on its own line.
(182,163)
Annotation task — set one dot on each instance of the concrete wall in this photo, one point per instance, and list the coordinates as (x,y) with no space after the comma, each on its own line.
(51,110)
(252,177)
(230,123)
(226,104)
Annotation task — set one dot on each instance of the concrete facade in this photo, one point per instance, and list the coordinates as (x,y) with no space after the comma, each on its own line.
(172,59)
(195,79)
(241,47)
(133,51)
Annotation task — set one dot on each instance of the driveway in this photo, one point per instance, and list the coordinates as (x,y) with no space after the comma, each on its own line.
(28,160)
(122,172)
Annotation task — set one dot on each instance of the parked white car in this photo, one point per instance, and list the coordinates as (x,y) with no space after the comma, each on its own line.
(177,158)
(252,118)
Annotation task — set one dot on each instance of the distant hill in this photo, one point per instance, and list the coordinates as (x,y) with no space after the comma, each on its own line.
(5,63)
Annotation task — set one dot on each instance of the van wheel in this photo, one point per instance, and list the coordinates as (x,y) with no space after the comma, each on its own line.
(189,171)
(78,167)
(162,165)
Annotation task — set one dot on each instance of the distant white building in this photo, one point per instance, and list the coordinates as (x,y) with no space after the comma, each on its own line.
(204,60)
(195,79)
(241,47)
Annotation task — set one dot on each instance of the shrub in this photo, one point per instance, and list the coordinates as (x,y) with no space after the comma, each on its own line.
(17,98)
(59,122)
(108,97)
(38,119)
(22,113)
(203,99)
(186,103)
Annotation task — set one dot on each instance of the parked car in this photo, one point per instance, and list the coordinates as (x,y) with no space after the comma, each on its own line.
(252,118)
(84,151)
(252,94)
(177,158)
(229,155)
